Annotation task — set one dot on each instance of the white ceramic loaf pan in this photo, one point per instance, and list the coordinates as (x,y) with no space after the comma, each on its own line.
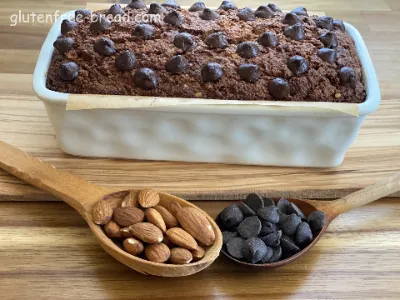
(275,134)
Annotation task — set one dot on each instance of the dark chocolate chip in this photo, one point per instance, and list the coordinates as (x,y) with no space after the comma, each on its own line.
(329,39)
(249,72)
(269,213)
(282,218)
(247,211)
(177,64)
(267,228)
(247,49)
(125,61)
(63,44)
(294,209)
(283,206)
(338,24)
(347,77)
(279,88)
(211,72)
(273,239)
(143,30)
(267,255)
(300,11)
(324,22)
(209,15)
(249,227)
(268,202)
(156,9)
(246,14)
(231,216)
(67,26)
(171,4)
(174,18)
(227,5)
(254,201)
(326,54)
(68,71)
(268,39)
(276,254)
(116,10)
(197,6)
(297,64)
(228,235)
(274,7)
(216,40)
(184,41)
(288,245)
(295,32)
(303,235)
(291,19)
(316,220)
(264,12)
(105,46)
(290,225)
(145,78)
(80,14)
(235,247)
(100,23)
(254,250)
(136,4)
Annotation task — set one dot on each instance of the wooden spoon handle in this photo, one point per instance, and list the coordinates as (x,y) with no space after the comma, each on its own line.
(366,195)
(75,191)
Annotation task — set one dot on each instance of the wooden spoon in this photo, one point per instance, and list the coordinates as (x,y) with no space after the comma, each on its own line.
(82,195)
(333,209)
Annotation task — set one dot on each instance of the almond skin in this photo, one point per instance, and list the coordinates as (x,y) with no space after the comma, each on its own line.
(169,219)
(130,200)
(180,256)
(114,202)
(199,253)
(147,232)
(126,216)
(126,232)
(157,252)
(197,225)
(174,208)
(180,237)
(167,242)
(113,230)
(155,218)
(148,198)
(133,246)
(102,212)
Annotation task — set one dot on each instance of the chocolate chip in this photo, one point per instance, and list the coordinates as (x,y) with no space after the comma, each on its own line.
(184,41)
(326,54)
(297,64)
(324,22)
(249,227)
(295,32)
(278,88)
(247,211)
(268,39)
(247,49)
(63,44)
(274,8)
(100,23)
(177,64)
(338,24)
(273,239)
(267,255)
(216,40)
(125,61)
(211,72)
(268,202)
(316,220)
(156,9)
(246,14)
(68,71)
(228,235)
(291,19)
(254,201)
(283,205)
(145,31)
(282,218)
(276,254)
(235,247)
(231,216)
(227,5)
(329,39)
(136,4)
(174,18)
(171,4)
(104,46)
(300,11)
(288,245)
(197,6)
(254,250)
(67,26)
(303,235)
(80,14)
(249,72)
(269,213)
(209,15)
(347,77)
(294,209)
(145,78)
(264,12)
(116,10)
(267,228)
(290,226)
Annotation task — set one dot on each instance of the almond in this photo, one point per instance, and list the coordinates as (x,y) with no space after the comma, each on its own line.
(157,252)
(167,242)
(174,208)
(114,202)
(148,198)
(112,229)
(198,253)
(180,237)
(130,200)
(147,232)
(133,246)
(102,212)
(180,256)
(126,216)
(195,223)
(169,219)
(126,232)
(154,217)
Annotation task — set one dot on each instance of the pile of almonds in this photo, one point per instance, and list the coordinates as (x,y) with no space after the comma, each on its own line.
(170,233)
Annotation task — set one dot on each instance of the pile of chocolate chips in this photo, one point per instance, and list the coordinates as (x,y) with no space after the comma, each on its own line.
(261,231)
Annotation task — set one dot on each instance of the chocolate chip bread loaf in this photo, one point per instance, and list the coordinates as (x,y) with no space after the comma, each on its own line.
(227,53)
